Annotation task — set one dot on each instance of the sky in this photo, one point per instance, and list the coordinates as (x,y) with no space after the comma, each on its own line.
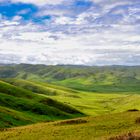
(75,32)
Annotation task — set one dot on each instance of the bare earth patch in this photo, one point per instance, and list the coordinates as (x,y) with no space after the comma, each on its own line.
(71,122)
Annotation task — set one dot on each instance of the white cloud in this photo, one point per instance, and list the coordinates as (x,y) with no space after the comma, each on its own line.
(17,18)
(91,48)
(8,23)
(40,2)
(92,37)
(54,12)
(22,12)
(79,20)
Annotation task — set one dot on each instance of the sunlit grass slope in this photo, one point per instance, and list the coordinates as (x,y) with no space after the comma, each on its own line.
(41,87)
(90,103)
(92,128)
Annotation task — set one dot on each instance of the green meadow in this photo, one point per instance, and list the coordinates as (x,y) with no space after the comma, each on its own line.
(93,128)
(68,102)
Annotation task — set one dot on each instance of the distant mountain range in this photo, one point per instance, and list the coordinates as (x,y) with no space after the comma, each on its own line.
(86,78)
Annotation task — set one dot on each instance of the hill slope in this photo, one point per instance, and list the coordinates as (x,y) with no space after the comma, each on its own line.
(97,79)
(37,93)
(90,103)
(16,102)
(92,128)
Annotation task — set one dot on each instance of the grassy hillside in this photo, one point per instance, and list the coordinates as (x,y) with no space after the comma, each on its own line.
(16,102)
(119,84)
(96,79)
(90,103)
(92,128)
(40,87)
(37,93)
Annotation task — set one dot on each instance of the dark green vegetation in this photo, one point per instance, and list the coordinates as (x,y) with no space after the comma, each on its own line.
(37,93)
(19,106)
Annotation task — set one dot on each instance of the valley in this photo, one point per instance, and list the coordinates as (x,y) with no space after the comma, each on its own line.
(43,99)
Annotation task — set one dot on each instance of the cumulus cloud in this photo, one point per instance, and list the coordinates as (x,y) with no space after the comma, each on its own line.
(104,33)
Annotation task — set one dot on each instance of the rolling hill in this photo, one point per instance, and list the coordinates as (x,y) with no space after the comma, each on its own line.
(19,106)
(94,79)
(90,103)
(53,96)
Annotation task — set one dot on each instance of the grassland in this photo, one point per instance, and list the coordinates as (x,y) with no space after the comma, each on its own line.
(19,106)
(32,94)
(90,103)
(92,128)
(94,79)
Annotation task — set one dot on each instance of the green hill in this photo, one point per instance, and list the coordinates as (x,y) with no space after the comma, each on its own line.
(90,103)
(96,79)
(16,102)
(32,94)
(40,87)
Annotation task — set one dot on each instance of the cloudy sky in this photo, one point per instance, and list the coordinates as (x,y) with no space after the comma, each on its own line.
(79,32)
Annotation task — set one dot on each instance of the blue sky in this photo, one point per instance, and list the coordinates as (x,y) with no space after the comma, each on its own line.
(80,32)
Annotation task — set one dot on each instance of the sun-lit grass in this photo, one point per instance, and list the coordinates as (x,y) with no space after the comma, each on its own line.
(90,103)
(98,104)
(92,128)
(36,93)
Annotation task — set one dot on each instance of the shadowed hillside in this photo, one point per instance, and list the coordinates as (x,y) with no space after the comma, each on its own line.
(19,106)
